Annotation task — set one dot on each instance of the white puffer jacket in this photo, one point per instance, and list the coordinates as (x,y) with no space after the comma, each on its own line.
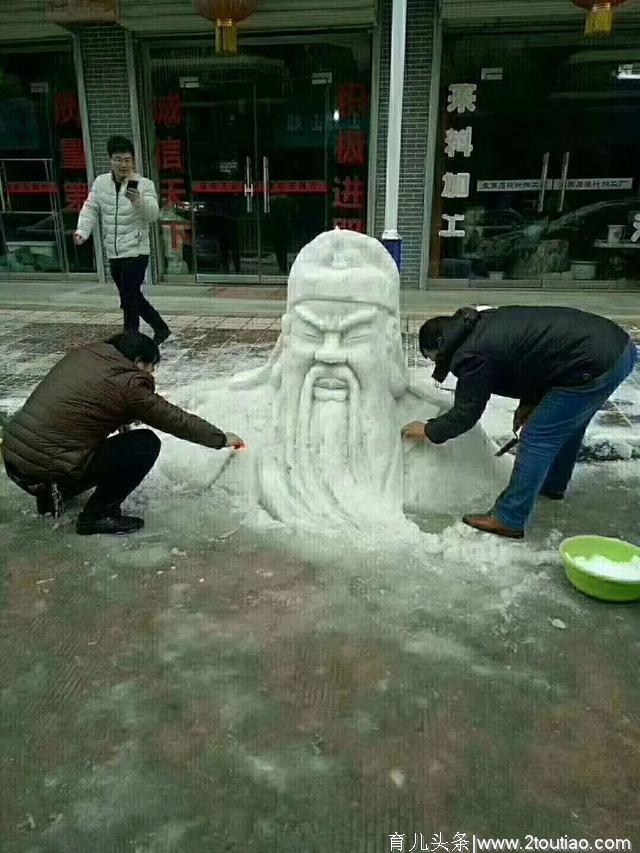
(125,226)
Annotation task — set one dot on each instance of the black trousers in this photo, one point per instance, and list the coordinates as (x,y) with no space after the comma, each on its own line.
(128,274)
(116,468)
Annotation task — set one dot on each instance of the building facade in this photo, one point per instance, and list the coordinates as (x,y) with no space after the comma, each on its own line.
(518,162)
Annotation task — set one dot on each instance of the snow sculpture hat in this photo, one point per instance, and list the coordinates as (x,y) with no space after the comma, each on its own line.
(345,266)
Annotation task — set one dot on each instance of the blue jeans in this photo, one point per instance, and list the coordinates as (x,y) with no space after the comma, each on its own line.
(551,440)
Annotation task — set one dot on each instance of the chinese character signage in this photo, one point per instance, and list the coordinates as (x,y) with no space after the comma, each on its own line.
(170,157)
(170,149)
(167,111)
(462,98)
(452,221)
(456,185)
(351,148)
(71,156)
(32,188)
(66,109)
(81,11)
(458,143)
(349,191)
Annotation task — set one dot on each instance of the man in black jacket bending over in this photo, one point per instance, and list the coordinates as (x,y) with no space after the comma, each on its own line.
(560,363)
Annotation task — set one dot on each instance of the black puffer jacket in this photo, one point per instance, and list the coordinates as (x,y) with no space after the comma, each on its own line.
(519,352)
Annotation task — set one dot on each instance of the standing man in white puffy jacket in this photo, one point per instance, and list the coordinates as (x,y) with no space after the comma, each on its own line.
(126,204)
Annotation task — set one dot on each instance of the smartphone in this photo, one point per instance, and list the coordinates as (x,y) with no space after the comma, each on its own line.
(132,185)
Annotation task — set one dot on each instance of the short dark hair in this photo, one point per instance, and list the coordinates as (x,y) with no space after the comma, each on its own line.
(431,334)
(120,145)
(134,345)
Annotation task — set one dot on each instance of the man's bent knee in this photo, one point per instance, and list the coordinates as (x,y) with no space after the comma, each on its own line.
(146,441)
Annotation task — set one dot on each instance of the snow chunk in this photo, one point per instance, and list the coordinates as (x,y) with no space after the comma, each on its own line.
(602,567)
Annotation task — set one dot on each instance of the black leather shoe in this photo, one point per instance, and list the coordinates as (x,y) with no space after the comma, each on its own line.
(49,501)
(553,496)
(115,525)
(161,336)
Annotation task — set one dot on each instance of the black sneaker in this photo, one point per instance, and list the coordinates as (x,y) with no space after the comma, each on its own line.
(161,336)
(49,501)
(553,496)
(115,525)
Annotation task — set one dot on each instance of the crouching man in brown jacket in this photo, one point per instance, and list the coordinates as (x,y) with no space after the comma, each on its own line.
(58,444)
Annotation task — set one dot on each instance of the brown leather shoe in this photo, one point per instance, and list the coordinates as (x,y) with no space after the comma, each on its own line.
(490,524)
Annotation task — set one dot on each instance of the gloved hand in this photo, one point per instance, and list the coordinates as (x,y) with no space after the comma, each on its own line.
(234,441)
(522,415)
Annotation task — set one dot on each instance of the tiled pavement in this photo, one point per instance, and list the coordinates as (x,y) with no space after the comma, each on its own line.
(32,341)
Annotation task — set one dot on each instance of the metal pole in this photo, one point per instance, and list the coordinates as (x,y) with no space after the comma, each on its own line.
(390,236)
(148,143)
(135,125)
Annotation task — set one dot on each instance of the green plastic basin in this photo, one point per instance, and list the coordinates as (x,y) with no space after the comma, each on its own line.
(614,550)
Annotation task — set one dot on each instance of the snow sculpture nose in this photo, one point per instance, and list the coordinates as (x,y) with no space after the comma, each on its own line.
(331,351)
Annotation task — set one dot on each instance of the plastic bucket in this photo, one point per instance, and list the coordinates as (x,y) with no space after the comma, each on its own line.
(589,582)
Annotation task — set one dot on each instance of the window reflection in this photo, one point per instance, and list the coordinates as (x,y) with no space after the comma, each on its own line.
(257,154)
(42,164)
(537,171)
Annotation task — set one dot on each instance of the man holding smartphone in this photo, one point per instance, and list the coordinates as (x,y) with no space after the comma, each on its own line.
(126,204)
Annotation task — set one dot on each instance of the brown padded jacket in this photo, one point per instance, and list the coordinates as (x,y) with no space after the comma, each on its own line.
(88,395)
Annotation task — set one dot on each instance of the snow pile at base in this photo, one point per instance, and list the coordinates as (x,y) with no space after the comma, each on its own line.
(602,567)
(462,545)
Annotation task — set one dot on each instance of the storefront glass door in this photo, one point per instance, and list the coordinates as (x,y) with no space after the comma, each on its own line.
(259,189)
(43,173)
(293,155)
(538,176)
(221,128)
(257,154)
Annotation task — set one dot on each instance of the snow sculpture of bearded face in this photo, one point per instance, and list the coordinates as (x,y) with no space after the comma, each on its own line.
(322,417)
(333,448)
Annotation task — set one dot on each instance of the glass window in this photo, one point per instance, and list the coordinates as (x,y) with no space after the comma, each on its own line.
(537,169)
(256,154)
(42,164)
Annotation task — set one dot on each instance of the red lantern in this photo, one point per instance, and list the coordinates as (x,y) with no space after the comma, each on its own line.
(599,15)
(225,14)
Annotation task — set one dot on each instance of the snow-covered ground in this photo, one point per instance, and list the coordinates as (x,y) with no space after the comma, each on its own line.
(295,677)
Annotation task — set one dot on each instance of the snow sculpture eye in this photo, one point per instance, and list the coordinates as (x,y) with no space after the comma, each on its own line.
(307,332)
(357,335)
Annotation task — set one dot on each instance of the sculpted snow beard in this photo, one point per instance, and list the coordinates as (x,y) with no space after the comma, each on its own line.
(336,453)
